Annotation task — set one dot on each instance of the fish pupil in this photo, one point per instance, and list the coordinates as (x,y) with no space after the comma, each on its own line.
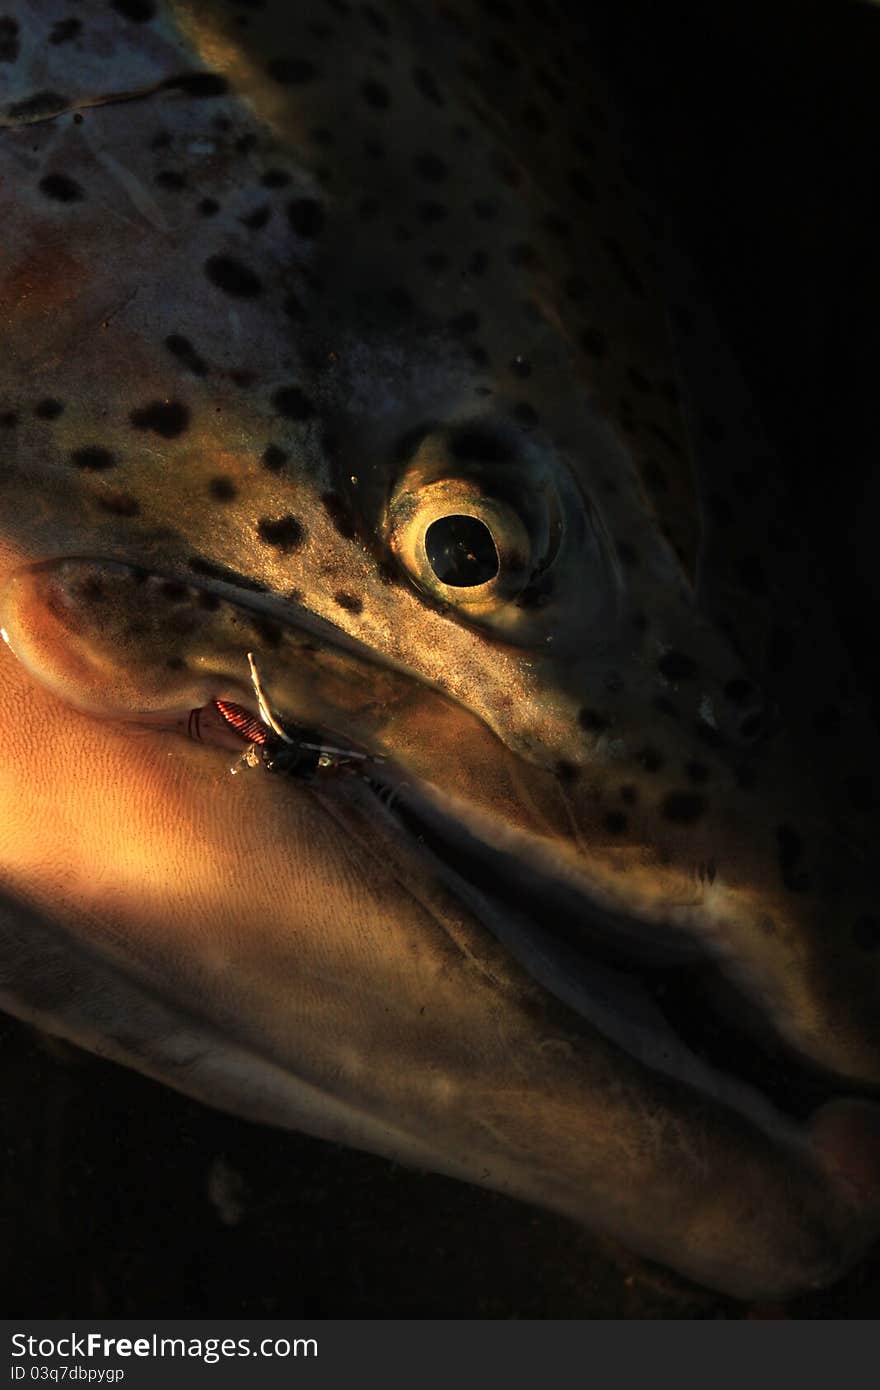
(461,551)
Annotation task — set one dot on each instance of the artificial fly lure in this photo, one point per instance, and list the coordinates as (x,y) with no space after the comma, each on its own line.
(297,752)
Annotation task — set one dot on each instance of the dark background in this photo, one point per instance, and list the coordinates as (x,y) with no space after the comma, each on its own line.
(118,1197)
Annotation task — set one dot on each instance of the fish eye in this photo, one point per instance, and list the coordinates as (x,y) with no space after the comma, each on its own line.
(461,551)
(459,544)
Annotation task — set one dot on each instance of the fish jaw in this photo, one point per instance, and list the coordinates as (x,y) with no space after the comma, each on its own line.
(282,951)
(122,643)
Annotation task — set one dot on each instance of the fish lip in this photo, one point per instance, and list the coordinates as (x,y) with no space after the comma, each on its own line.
(769,1077)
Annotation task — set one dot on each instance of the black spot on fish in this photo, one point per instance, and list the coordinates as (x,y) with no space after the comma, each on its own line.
(431,168)
(8,419)
(167,418)
(274,459)
(567,772)
(375,94)
(791,850)
(268,632)
(485,208)
(338,514)
(526,414)
(171,179)
(208,207)
(293,403)
(615,822)
(48,409)
(284,533)
(138,11)
(173,591)
(676,666)
(175,663)
(183,350)
(61,188)
(119,504)
(291,72)
(306,217)
(683,807)
(63,30)
(233,277)
(257,219)
(275,178)
(629,794)
(349,602)
(9,41)
(592,720)
(665,706)
(222,489)
(198,84)
(93,457)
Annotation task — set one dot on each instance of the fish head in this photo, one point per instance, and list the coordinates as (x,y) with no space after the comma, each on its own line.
(342,420)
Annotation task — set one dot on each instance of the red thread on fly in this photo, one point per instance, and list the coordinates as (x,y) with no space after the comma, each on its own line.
(242,721)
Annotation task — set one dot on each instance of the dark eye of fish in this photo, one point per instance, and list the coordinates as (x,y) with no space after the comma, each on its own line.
(461,551)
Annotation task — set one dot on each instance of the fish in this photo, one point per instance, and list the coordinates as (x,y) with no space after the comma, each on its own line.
(363,436)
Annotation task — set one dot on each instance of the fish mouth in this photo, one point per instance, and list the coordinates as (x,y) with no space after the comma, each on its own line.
(660,995)
(664,1001)
(475,1001)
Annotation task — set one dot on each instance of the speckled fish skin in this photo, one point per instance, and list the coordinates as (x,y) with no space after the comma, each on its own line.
(281,285)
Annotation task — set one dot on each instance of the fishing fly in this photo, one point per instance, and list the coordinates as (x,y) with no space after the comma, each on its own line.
(297,752)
